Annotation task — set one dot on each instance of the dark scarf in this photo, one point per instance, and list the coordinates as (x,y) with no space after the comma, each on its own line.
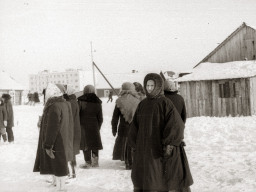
(127,103)
(69,97)
(159,86)
(171,92)
(89,97)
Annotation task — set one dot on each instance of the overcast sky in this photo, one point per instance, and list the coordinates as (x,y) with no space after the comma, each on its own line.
(145,35)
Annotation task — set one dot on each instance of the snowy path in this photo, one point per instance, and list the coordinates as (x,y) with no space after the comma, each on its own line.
(221,153)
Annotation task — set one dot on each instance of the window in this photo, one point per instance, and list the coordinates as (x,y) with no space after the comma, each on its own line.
(227,89)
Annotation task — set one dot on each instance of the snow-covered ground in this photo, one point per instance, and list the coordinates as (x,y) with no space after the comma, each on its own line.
(221,153)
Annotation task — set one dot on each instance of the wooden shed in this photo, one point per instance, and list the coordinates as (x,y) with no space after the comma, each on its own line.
(224,82)
(220,89)
(12,87)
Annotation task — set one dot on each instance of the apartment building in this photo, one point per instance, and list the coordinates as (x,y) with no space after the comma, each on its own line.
(77,78)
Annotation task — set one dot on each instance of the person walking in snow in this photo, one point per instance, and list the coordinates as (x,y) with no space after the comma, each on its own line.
(71,97)
(110,96)
(126,105)
(36,98)
(156,134)
(171,92)
(55,148)
(10,117)
(91,118)
(3,121)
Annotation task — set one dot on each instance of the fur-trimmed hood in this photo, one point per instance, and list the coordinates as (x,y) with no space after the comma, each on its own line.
(89,97)
(159,85)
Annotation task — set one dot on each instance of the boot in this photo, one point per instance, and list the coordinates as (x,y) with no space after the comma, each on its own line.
(87,165)
(60,183)
(95,161)
(4,138)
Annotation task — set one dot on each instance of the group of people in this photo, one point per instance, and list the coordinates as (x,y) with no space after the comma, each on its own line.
(148,120)
(68,125)
(33,98)
(6,119)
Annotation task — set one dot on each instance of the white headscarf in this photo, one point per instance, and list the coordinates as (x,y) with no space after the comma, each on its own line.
(52,91)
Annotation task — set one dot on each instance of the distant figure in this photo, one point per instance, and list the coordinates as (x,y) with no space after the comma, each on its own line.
(10,119)
(3,121)
(91,119)
(36,98)
(110,96)
(44,95)
(171,92)
(29,96)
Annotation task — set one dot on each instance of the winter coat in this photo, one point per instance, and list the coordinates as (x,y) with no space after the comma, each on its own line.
(9,110)
(77,129)
(55,133)
(90,113)
(156,125)
(3,116)
(178,102)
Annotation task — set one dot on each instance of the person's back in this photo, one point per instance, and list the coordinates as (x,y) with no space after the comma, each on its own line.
(170,91)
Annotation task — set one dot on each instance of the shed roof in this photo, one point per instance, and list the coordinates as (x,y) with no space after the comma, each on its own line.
(224,42)
(9,83)
(215,71)
(117,79)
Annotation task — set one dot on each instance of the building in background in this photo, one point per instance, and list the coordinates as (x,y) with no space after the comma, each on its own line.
(77,78)
(9,85)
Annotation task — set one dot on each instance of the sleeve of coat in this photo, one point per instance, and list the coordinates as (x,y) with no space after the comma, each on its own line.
(53,127)
(100,116)
(184,112)
(132,136)
(173,132)
(9,110)
(4,114)
(115,119)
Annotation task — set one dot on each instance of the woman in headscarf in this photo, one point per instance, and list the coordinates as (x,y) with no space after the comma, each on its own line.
(156,134)
(123,113)
(55,145)
(140,90)
(71,97)
(90,120)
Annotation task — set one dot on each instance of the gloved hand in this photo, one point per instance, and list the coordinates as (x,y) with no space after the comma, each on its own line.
(49,152)
(5,123)
(168,150)
(39,121)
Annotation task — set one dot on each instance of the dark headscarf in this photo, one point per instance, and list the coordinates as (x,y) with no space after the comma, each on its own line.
(89,89)
(159,85)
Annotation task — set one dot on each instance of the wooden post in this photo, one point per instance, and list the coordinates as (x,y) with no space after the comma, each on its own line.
(93,71)
(105,78)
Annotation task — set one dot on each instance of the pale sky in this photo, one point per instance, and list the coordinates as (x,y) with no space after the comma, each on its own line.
(145,35)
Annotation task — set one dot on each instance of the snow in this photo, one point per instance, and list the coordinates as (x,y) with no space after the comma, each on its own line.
(214,71)
(221,154)
(8,83)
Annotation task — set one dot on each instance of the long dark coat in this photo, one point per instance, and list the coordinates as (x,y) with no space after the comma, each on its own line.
(3,116)
(55,133)
(77,129)
(9,110)
(90,112)
(178,102)
(156,124)
(122,130)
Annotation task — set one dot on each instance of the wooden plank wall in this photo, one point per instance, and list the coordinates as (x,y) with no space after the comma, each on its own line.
(253,95)
(202,98)
(239,47)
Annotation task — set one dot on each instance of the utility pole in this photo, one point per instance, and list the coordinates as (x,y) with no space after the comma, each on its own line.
(93,70)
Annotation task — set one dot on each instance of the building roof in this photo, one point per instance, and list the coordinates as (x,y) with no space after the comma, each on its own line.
(224,42)
(9,83)
(117,79)
(216,71)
